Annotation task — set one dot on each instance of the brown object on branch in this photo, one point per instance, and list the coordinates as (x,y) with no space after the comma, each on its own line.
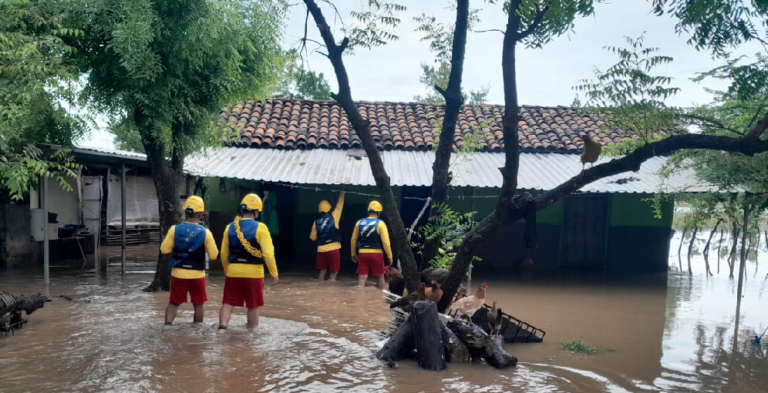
(396,281)
(470,304)
(430,353)
(433,273)
(400,346)
(404,302)
(591,151)
(434,293)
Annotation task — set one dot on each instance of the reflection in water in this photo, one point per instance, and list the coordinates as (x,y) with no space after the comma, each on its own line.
(655,333)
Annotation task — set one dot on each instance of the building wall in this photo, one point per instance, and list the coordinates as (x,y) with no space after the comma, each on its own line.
(634,239)
(16,247)
(638,241)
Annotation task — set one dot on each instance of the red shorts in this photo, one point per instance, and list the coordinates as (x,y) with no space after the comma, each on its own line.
(330,260)
(239,291)
(194,286)
(371,264)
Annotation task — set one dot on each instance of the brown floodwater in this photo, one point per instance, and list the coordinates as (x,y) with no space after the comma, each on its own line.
(654,333)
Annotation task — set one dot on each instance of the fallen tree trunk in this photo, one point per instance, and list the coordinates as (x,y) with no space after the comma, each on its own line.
(400,346)
(430,353)
(481,345)
(455,349)
(498,357)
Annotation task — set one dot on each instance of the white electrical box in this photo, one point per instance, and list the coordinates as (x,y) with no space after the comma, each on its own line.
(38,223)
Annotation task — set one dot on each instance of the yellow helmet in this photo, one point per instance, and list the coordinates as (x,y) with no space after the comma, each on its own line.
(375,206)
(195,203)
(324,207)
(251,202)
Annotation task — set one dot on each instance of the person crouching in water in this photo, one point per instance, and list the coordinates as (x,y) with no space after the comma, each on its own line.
(188,243)
(325,232)
(368,238)
(245,249)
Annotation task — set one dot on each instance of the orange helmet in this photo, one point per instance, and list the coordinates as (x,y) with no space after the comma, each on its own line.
(324,207)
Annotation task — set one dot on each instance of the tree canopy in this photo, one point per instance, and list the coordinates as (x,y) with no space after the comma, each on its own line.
(35,85)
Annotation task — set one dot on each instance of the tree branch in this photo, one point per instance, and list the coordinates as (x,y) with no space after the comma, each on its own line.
(361,126)
(633,160)
(490,30)
(712,122)
(535,24)
(440,90)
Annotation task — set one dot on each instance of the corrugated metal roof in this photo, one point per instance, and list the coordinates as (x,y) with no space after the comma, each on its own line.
(414,168)
(112,152)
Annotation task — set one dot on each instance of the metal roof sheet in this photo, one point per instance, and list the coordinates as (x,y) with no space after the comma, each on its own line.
(414,168)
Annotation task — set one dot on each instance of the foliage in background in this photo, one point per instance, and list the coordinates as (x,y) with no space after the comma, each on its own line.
(166,68)
(440,38)
(448,227)
(35,81)
(375,26)
(628,96)
(298,82)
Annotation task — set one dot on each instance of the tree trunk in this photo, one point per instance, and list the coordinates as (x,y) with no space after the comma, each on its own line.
(690,248)
(400,346)
(743,261)
(680,249)
(732,256)
(711,235)
(166,177)
(481,345)
(430,353)
(363,130)
(499,358)
(719,249)
(453,102)
(455,349)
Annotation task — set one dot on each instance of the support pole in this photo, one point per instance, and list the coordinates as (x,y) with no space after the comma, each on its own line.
(46,241)
(122,217)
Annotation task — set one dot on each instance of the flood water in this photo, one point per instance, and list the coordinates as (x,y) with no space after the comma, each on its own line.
(669,332)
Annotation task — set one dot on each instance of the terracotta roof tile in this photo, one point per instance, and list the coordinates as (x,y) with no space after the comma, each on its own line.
(304,124)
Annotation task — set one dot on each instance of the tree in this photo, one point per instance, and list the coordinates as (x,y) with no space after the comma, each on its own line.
(166,68)
(33,87)
(298,82)
(530,24)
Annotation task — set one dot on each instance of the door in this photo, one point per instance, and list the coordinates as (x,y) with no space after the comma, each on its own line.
(584,231)
(92,195)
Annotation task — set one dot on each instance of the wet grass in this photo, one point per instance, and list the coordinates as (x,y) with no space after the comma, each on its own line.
(578,346)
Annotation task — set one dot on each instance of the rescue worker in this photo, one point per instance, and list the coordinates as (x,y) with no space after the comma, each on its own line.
(369,237)
(188,243)
(245,249)
(325,232)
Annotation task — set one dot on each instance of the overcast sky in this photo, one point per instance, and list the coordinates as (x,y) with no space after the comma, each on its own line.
(545,76)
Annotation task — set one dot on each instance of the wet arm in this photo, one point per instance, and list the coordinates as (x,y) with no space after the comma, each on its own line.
(337,210)
(384,234)
(167,246)
(225,250)
(313,234)
(354,240)
(267,249)
(210,245)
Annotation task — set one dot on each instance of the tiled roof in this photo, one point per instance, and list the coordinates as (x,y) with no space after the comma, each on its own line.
(303,124)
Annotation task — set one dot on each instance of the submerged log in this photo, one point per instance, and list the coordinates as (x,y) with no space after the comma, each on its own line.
(497,356)
(10,303)
(400,346)
(455,349)
(430,353)
(481,345)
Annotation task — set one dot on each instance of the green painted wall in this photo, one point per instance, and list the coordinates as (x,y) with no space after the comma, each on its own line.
(632,210)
